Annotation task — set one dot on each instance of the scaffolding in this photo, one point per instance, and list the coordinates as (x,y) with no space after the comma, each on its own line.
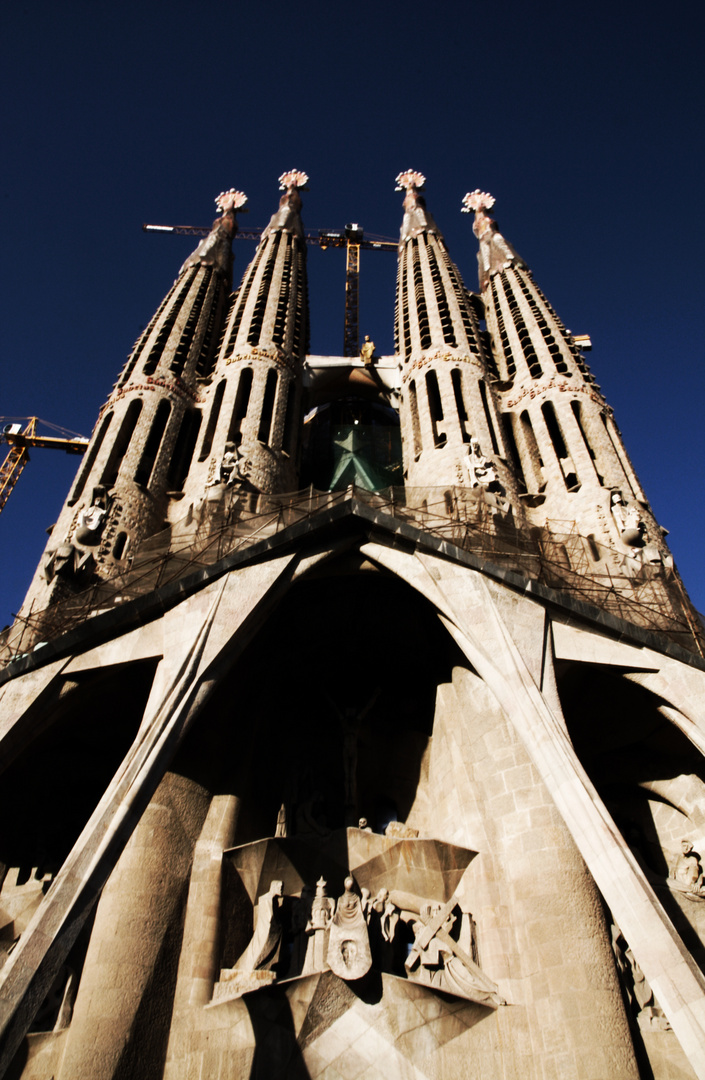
(555,555)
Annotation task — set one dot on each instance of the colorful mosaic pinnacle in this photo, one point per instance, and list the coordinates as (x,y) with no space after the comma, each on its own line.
(292,179)
(477,200)
(410,179)
(230,200)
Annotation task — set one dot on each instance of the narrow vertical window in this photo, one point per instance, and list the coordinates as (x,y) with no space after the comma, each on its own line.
(242,400)
(89,460)
(117,454)
(559,445)
(119,545)
(577,413)
(183,449)
(265,423)
(511,445)
(435,407)
(415,423)
(457,381)
(212,421)
(153,444)
(488,416)
(532,454)
(289,418)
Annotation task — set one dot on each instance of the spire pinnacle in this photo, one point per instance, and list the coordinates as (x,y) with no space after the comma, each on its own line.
(215,249)
(417,220)
(287,217)
(495,253)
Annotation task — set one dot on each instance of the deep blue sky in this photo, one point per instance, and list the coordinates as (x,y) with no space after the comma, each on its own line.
(584,120)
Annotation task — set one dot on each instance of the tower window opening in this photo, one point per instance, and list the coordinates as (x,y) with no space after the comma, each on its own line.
(441,299)
(183,449)
(238,310)
(90,459)
(121,444)
(577,413)
(511,445)
(488,416)
(242,400)
(161,341)
(420,297)
(144,338)
(206,357)
(502,331)
(119,545)
(415,422)
(260,307)
(592,545)
(270,390)
(457,381)
(212,421)
(289,417)
(284,292)
(532,360)
(153,444)
(435,407)
(532,454)
(187,334)
(559,445)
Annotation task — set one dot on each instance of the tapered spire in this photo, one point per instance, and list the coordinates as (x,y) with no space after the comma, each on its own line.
(450,425)
(495,253)
(216,249)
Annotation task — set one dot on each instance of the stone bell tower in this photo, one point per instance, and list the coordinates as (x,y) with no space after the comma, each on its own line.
(570,461)
(143,443)
(451,430)
(253,403)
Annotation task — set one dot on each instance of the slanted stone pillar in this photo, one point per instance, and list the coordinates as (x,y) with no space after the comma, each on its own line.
(134,944)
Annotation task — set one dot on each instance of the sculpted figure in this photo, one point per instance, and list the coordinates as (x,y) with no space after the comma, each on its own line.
(437,960)
(349,954)
(367,351)
(481,470)
(686,873)
(263,951)
(92,518)
(317,931)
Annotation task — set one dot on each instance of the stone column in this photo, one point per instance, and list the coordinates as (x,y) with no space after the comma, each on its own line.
(124,999)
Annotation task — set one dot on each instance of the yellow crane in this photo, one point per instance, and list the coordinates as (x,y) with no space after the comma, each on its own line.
(20,435)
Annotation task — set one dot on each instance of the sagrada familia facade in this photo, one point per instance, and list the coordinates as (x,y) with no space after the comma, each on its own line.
(353,724)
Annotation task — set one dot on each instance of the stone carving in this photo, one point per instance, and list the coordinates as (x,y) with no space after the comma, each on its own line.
(437,960)
(399,830)
(254,968)
(640,994)
(230,200)
(68,562)
(317,931)
(282,825)
(91,520)
(350,723)
(367,351)
(231,468)
(363,825)
(686,873)
(627,520)
(287,216)
(481,470)
(349,955)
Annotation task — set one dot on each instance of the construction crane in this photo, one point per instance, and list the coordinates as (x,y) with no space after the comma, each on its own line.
(20,438)
(352,238)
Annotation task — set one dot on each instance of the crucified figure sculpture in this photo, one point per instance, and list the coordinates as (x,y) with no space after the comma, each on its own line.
(350,721)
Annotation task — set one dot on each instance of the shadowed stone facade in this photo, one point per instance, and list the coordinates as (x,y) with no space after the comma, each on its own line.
(379,783)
